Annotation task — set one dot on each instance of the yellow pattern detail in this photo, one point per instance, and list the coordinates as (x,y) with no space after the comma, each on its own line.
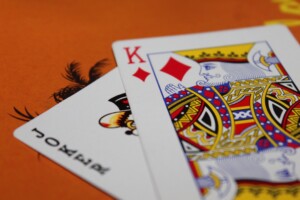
(264,106)
(278,101)
(240,108)
(227,52)
(225,153)
(254,87)
(244,144)
(180,102)
(216,180)
(258,121)
(283,192)
(244,121)
(188,116)
(218,118)
(283,94)
(198,137)
(263,61)
(293,121)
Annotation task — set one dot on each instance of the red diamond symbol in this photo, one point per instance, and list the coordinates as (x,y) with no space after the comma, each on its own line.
(141,74)
(175,69)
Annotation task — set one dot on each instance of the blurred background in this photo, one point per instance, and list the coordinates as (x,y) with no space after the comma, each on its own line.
(39,38)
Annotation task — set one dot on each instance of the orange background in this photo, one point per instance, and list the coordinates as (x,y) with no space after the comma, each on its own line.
(38,39)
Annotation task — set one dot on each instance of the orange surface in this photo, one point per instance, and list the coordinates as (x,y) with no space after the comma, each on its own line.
(39,38)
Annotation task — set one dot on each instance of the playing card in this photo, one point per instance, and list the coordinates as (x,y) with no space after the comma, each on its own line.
(200,98)
(92,134)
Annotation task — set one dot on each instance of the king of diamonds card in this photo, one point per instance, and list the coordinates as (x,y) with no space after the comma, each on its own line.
(218,113)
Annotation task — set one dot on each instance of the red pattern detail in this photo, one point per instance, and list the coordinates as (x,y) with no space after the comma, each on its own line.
(239,128)
(268,184)
(208,136)
(176,96)
(223,89)
(289,113)
(183,92)
(209,94)
(168,100)
(269,127)
(285,88)
(227,125)
(194,170)
(257,104)
(176,113)
(259,111)
(279,64)
(262,119)
(175,69)
(217,102)
(198,87)
(225,118)
(141,74)
(194,117)
(279,137)
(293,145)
(264,143)
(244,102)
(185,125)
(195,144)
(282,69)
(239,60)
(222,110)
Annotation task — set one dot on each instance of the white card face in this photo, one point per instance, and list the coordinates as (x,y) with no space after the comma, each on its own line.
(221,95)
(92,135)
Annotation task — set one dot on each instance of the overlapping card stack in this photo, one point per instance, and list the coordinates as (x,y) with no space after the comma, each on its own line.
(211,115)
